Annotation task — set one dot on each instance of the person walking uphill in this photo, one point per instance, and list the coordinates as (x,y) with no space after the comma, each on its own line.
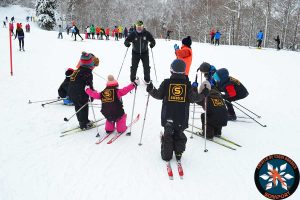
(140,38)
(112,105)
(259,37)
(81,78)
(177,93)
(20,35)
(185,53)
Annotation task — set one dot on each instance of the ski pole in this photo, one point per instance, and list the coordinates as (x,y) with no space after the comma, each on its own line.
(246,114)
(43,104)
(154,64)
(205,122)
(42,100)
(247,109)
(94,117)
(194,107)
(144,120)
(122,63)
(99,76)
(133,105)
(68,119)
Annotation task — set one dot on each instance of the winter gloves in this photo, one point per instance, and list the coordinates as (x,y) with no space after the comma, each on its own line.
(152,45)
(149,87)
(176,47)
(195,85)
(127,44)
(136,82)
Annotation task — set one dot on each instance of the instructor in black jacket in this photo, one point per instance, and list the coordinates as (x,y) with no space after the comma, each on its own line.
(140,38)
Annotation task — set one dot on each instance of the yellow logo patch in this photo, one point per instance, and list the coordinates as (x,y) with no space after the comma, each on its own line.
(108,95)
(177,92)
(217,102)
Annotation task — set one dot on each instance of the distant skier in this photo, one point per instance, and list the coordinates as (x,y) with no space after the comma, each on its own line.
(216,112)
(168,37)
(234,90)
(212,36)
(27,27)
(140,39)
(63,88)
(217,37)
(107,32)
(259,37)
(177,93)
(4,24)
(68,29)
(60,30)
(76,32)
(125,32)
(20,35)
(112,105)
(277,40)
(82,77)
(185,53)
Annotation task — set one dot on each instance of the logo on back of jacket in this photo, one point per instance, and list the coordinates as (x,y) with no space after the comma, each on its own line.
(276,176)
(177,92)
(235,80)
(108,95)
(217,102)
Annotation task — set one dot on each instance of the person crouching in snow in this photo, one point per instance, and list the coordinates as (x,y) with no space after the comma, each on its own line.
(63,88)
(177,93)
(216,111)
(112,105)
(80,78)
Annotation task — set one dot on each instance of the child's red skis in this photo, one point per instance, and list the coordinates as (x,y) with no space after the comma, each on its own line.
(180,170)
(102,139)
(119,134)
(169,170)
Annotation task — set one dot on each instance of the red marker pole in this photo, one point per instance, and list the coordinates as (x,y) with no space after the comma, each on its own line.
(10,46)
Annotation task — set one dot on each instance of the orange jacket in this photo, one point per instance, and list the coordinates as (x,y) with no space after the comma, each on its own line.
(98,30)
(185,54)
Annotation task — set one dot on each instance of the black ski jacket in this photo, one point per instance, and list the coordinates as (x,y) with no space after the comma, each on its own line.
(140,41)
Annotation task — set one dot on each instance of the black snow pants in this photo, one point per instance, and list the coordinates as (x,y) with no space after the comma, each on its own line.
(136,57)
(173,140)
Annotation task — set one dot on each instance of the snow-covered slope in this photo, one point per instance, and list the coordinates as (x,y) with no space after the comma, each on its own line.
(38,164)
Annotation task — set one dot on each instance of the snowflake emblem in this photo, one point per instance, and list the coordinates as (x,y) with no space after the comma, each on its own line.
(274,176)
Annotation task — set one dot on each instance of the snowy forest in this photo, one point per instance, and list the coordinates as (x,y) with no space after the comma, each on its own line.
(237,20)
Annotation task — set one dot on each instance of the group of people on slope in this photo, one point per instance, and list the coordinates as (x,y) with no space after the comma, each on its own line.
(176,92)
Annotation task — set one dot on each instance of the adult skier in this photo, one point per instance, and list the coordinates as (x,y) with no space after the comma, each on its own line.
(20,35)
(140,38)
(259,37)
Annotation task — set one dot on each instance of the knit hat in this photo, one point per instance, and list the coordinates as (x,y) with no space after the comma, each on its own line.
(204,67)
(202,86)
(187,41)
(69,72)
(111,81)
(88,60)
(139,23)
(178,66)
(223,74)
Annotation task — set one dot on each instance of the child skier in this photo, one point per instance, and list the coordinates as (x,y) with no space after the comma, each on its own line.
(185,53)
(112,105)
(177,93)
(80,78)
(63,89)
(234,90)
(216,112)
(208,70)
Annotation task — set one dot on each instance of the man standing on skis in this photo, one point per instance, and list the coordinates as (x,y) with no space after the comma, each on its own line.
(140,38)
(177,93)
